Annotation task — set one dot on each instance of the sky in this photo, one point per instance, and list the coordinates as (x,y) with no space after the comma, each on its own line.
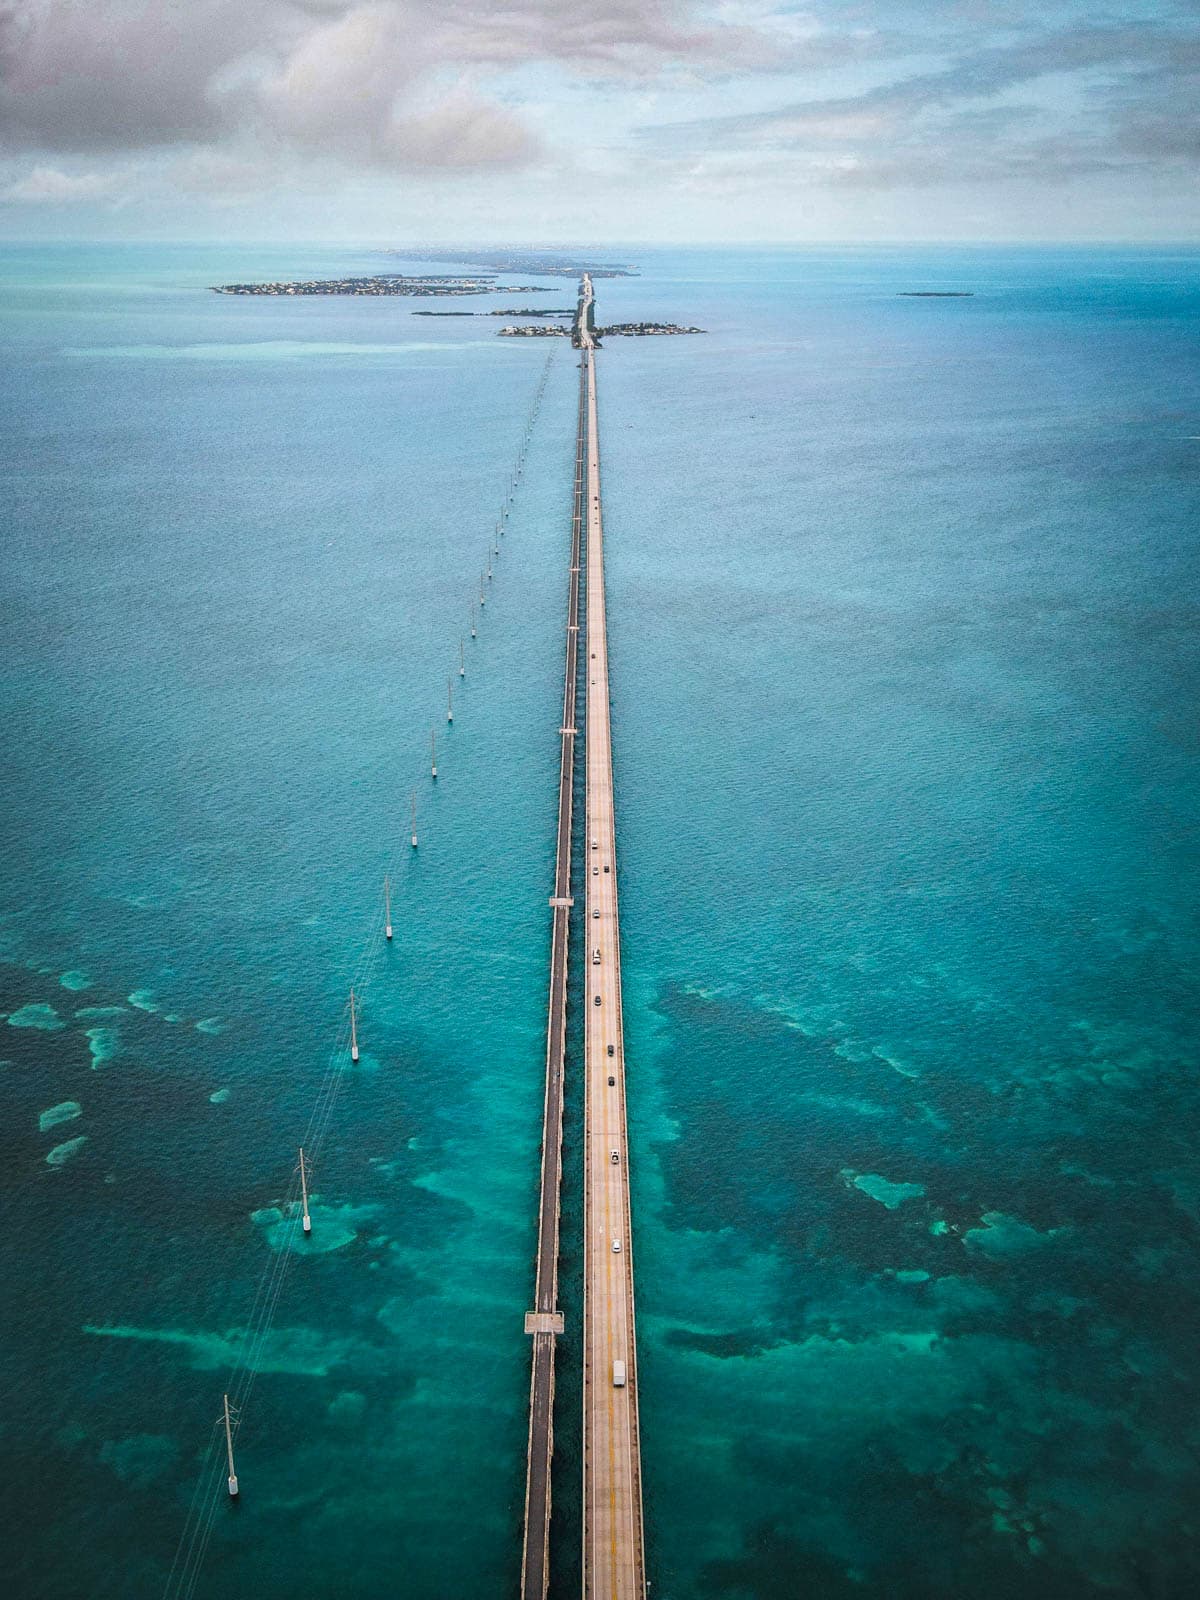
(592,121)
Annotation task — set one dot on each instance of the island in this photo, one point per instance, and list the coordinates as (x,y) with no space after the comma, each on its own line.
(635,330)
(546,266)
(642,330)
(506,311)
(390,283)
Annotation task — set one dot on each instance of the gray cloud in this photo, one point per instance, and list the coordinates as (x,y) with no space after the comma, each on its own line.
(87,76)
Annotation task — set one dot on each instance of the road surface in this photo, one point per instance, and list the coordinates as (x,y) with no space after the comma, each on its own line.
(613,1562)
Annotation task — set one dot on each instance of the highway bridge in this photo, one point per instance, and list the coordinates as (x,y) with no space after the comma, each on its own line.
(613,1556)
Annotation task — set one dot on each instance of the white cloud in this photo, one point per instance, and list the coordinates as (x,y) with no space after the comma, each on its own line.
(50,186)
(462,132)
(343,79)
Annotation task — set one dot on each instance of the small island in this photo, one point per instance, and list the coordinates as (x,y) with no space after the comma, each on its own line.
(642,330)
(634,330)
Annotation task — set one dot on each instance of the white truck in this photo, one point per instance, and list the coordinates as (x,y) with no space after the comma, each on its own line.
(618,1374)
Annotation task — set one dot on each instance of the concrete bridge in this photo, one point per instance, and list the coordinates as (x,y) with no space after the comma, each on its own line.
(613,1555)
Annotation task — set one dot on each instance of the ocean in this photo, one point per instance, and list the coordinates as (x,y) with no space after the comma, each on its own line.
(903,602)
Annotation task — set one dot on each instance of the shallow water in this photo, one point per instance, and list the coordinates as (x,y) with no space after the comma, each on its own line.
(903,598)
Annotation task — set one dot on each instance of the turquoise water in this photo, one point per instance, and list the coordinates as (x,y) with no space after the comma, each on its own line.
(903,604)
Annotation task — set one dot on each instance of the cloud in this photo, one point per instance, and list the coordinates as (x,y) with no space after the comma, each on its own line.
(352,80)
(462,132)
(358,87)
(1055,104)
(231,98)
(343,79)
(631,37)
(49,186)
(96,75)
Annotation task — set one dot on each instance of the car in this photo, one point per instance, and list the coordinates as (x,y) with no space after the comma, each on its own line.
(614,1156)
(610,1050)
(606,867)
(595,872)
(596,1001)
(611,1080)
(595,911)
(616,1247)
(596,956)
(595,844)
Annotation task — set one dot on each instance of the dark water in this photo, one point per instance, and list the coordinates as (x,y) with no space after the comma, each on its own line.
(903,632)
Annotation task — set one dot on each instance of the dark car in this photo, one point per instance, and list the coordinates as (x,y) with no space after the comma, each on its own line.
(610,1050)
(596,1001)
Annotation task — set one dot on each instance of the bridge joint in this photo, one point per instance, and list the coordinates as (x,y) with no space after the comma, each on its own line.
(543,1322)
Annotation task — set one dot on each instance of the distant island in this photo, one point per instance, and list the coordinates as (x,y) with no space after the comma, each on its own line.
(508,311)
(390,283)
(936,294)
(546,266)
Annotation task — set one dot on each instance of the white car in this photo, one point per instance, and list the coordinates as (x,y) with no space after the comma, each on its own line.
(616,1246)
(614,1156)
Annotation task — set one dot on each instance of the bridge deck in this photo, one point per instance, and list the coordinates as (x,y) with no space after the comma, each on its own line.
(613,1562)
